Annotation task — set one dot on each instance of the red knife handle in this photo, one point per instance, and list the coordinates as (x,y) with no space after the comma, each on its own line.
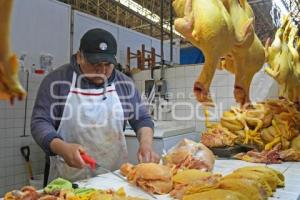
(89,160)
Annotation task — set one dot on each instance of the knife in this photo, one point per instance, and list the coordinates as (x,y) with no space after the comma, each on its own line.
(93,165)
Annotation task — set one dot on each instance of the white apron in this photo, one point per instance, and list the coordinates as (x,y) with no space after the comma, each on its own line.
(94,119)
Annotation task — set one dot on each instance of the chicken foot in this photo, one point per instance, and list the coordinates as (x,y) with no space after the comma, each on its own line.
(277,139)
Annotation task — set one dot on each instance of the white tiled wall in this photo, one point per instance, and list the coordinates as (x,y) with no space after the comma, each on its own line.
(13,171)
(180,81)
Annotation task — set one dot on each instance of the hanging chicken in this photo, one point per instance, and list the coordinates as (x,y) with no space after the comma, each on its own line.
(247,57)
(221,28)
(282,57)
(207,25)
(10,86)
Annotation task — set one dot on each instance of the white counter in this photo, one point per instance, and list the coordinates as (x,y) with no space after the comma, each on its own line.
(291,171)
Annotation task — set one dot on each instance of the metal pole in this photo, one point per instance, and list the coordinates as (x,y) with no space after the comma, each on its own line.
(161,31)
(171,32)
(162,60)
(26,104)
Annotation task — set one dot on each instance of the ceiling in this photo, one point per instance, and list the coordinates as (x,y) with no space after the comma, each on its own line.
(114,11)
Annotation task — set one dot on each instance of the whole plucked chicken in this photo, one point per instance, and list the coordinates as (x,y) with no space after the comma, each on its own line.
(282,57)
(245,58)
(207,25)
(191,155)
(10,86)
(220,28)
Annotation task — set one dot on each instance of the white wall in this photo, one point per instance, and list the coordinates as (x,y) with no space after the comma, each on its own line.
(13,172)
(37,27)
(41,27)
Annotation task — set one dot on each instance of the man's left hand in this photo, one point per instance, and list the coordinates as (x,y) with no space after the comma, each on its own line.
(146,154)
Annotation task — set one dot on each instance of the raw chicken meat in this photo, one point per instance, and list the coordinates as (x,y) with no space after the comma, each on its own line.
(191,155)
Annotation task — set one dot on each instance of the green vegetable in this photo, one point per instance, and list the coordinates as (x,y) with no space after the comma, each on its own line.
(83,191)
(57,185)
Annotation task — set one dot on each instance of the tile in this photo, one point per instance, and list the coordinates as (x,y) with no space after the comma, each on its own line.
(220,80)
(189,71)
(189,95)
(171,83)
(180,93)
(179,115)
(284,195)
(198,69)
(179,72)
(170,73)
(213,92)
(189,82)
(157,75)
(180,82)
(183,106)
(200,126)
(230,81)
(171,93)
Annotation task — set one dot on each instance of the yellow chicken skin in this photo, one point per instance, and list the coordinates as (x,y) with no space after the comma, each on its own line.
(266,170)
(247,187)
(293,83)
(282,58)
(244,63)
(253,176)
(294,47)
(266,126)
(247,57)
(10,86)
(219,28)
(217,194)
(207,25)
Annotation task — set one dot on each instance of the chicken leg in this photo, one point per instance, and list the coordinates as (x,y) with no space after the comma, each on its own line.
(10,86)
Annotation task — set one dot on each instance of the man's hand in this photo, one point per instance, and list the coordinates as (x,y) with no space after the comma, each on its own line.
(145,152)
(69,151)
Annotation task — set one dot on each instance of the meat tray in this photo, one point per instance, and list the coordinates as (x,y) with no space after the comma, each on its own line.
(229,152)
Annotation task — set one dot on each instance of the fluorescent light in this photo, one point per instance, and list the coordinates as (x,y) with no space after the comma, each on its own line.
(145,12)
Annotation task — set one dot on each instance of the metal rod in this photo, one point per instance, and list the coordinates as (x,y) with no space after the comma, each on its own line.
(162,60)
(26,104)
(161,31)
(72,32)
(171,32)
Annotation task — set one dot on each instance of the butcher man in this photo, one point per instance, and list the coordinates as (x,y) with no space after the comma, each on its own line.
(81,107)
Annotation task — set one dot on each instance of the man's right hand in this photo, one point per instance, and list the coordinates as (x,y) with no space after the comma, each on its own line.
(69,151)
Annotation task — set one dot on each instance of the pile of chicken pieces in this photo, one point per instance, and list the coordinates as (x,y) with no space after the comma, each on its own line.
(283,58)
(224,31)
(255,182)
(10,86)
(30,193)
(157,178)
(271,126)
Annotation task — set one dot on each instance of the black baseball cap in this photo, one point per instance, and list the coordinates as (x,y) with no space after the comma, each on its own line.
(99,45)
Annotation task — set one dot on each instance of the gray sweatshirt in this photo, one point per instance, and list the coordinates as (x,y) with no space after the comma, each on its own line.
(44,127)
